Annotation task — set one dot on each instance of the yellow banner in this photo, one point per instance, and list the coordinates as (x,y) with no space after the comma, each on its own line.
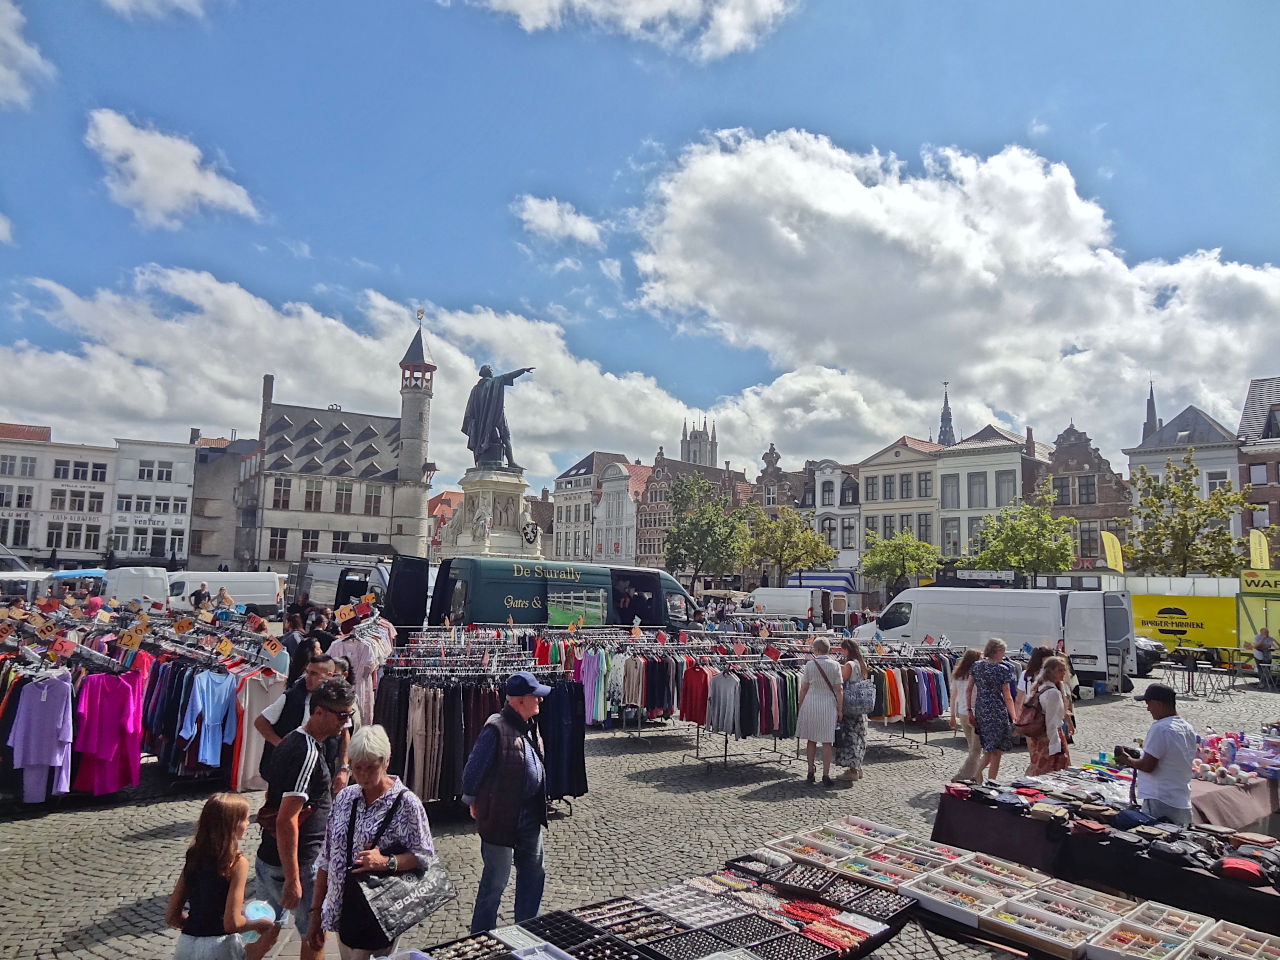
(1185,621)
(1111,549)
(1259,551)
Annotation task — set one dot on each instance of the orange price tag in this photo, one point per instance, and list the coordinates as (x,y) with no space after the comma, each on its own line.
(135,606)
(573,626)
(46,631)
(637,632)
(368,598)
(272,646)
(206,617)
(129,640)
(223,648)
(183,626)
(343,614)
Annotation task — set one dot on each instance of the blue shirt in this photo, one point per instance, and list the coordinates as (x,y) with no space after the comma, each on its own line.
(483,754)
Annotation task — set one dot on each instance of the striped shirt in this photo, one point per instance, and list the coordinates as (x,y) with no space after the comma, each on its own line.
(297,769)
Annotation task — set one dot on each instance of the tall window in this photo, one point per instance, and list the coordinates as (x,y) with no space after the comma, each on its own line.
(975,535)
(373,499)
(142,504)
(96,501)
(53,536)
(559,514)
(904,486)
(75,536)
(1088,534)
(120,538)
(98,474)
(872,525)
(1217,479)
(162,505)
(124,503)
(141,539)
(26,495)
(6,495)
(849,492)
(76,501)
(1257,474)
(924,484)
(951,536)
(4,530)
(280,489)
(92,537)
(557,544)
(310,541)
(80,470)
(586,513)
(179,504)
(828,493)
(27,467)
(770,495)
(61,469)
(1062,491)
(1087,489)
(178,542)
(889,527)
(21,533)
(870,488)
(1006,487)
(341,540)
(887,486)
(577,518)
(277,543)
(848,533)
(146,469)
(950,494)
(978,491)
(164,471)
(57,499)
(829,530)
(342,496)
(312,494)
(904,523)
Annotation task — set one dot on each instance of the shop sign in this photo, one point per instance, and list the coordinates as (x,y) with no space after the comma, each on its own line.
(1006,575)
(1260,581)
(15,514)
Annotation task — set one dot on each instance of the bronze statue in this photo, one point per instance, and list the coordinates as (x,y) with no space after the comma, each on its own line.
(485,422)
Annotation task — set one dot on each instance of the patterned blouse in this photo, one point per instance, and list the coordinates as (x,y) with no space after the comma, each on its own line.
(409,831)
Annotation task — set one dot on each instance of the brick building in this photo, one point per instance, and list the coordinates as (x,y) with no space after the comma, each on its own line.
(653,513)
(1086,488)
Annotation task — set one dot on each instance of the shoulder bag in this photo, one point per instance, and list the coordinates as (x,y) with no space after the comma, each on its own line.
(378,908)
(859,695)
(1030,721)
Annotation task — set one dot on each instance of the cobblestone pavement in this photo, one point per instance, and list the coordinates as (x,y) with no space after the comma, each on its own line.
(91,879)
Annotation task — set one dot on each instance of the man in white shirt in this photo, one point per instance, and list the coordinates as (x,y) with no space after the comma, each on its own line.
(1164,769)
(1263,644)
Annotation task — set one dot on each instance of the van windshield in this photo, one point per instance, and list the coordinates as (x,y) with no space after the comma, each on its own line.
(898,615)
(677,608)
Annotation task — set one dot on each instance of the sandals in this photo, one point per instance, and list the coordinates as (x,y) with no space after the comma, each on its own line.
(812,774)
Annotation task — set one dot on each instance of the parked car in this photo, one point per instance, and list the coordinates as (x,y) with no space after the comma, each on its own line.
(1149,653)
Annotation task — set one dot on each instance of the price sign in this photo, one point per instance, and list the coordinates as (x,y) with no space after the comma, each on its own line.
(183,626)
(103,617)
(206,617)
(368,598)
(363,609)
(36,620)
(16,614)
(61,648)
(129,640)
(144,621)
(134,606)
(69,601)
(4,613)
(272,646)
(113,603)
(253,621)
(223,649)
(5,630)
(343,614)
(573,626)
(637,632)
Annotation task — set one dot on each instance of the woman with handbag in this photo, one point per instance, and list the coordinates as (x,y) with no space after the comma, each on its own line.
(377,828)
(821,708)
(1045,712)
(859,699)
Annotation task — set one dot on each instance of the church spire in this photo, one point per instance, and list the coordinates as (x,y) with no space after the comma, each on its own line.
(946,433)
(1151,424)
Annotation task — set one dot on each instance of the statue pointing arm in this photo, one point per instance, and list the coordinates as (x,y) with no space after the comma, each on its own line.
(485,421)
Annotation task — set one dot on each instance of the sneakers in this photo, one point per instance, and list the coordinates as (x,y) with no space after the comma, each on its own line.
(812,774)
(828,782)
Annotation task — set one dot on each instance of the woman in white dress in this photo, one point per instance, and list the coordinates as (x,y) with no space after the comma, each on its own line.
(820,707)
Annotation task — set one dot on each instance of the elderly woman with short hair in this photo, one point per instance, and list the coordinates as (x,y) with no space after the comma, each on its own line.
(374,804)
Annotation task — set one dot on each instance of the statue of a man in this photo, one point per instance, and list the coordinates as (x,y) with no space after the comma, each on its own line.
(485,422)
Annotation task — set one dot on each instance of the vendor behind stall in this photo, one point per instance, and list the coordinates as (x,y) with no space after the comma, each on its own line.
(1164,769)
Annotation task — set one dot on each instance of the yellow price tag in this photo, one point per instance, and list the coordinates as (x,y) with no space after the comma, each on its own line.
(343,614)
(206,617)
(45,631)
(113,603)
(223,648)
(368,598)
(69,601)
(129,640)
(144,621)
(103,617)
(184,625)
(36,620)
(4,613)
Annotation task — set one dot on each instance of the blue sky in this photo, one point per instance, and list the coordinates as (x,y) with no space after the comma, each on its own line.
(366,162)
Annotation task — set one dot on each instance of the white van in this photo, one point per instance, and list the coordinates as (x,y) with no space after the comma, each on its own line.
(257,592)
(1095,625)
(137,583)
(800,603)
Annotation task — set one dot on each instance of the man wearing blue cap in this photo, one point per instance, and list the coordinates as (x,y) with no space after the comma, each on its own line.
(504,783)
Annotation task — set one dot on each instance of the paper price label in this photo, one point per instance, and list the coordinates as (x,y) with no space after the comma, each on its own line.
(637,632)
(103,617)
(68,601)
(129,640)
(206,617)
(36,620)
(343,614)
(368,598)
(184,625)
(134,606)
(5,630)
(363,609)
(61,648)
(223,649)
(272,646)
(144,621)
(4,613)
(113,603)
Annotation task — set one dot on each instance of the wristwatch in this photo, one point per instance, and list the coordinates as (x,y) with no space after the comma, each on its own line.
(391,864)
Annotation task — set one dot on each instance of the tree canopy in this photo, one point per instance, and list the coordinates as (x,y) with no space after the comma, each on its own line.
(706,536)
(1174,530)
(1026,537)
(901,556)
(789,543)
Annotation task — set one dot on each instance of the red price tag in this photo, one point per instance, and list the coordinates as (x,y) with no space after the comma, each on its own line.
(272,646)
(363,609)
(62,648)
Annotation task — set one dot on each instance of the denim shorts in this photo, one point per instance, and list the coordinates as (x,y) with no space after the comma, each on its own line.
(271,888)
(226,947)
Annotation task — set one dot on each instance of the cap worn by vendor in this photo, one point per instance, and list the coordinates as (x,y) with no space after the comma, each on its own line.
(1159,693)
(524,683)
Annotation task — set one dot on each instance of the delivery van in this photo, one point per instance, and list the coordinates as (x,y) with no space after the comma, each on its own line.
(137,583)
(799,603)
(1094,626)
(491,590)
(257,591)
(335,579)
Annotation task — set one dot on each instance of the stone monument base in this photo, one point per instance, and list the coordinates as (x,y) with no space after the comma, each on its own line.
(493,518)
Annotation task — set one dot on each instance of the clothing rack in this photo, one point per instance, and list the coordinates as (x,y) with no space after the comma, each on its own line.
(763,754)
(904,655)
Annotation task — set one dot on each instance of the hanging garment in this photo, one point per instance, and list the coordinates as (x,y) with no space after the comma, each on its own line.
(213,703)
(41,736)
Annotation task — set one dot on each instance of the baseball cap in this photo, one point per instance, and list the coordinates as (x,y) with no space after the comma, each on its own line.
(524,683)
(1159,693)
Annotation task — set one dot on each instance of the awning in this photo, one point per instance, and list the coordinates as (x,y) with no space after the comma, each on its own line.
(78,574)
(23,576)
(841,581)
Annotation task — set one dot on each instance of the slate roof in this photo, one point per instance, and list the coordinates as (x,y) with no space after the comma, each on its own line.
(992,437)
(25,431)
(417,352)
(1257,419)
(1191,428)
(592,464)
(331,443)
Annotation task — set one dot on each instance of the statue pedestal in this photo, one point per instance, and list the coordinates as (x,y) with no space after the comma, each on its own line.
(493,518)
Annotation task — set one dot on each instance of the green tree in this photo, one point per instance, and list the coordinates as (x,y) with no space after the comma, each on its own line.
(1026,537)
(706,536)
(788,543)
(1174,530)
(894,560)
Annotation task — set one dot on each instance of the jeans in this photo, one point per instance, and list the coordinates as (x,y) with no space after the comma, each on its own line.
(1159,809)
(530,878)
(271,888)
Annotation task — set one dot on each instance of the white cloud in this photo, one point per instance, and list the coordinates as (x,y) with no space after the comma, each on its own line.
(700,29)
(6,229)
(1037,128)
(156,8)
(556,220)
(20,61)
(567,263)
(612,269)
(300,249)
(162,178)
(981,271)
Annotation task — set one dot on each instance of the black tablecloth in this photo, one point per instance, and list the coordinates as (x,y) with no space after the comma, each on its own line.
(1101,863)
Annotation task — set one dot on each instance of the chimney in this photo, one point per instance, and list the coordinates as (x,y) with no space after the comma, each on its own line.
(546,494)
(1031,444)
(233,434)
(195,436)
(268,387)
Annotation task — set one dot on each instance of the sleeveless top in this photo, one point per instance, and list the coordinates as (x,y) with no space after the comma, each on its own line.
(207,896)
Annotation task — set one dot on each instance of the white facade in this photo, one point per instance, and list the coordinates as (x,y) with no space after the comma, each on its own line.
(909,468)
(575,504)
(55,501)
(836,513)
(973,485)
(1218,463)
(615,516)
(151,510)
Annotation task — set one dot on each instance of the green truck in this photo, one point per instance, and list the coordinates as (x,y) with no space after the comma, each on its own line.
(495,590)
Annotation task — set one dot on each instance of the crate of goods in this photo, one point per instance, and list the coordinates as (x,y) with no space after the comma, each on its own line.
(887,876)
(793,946)
(756,865)
(747,931)
(802,879)
(1009,871)
(949,899)
(929,848)
(912,863)
(1060,906)
(973,878)
(543,951)
(887,906)
(1167,919)
(1124,940)
(479,946)
(840,842)
(561,929)
(1089,897)
(881,832)
(1238,941)
(693,908)
(608,948)
(693,945)
(1039,929)
(804,852)
(517,937)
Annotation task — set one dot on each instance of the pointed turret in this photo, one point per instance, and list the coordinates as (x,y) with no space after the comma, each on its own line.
(410,495)
(1151,424)
(713,430)
(946,433)
(684,432)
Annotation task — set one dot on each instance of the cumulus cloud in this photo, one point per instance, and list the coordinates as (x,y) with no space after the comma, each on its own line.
(700,29)
(556,220)
(156,8)
(981,271)
(20,61)
(161,177)
(6,229)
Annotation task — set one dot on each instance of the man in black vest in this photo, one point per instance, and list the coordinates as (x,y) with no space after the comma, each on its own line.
(291,709)
(505,785)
